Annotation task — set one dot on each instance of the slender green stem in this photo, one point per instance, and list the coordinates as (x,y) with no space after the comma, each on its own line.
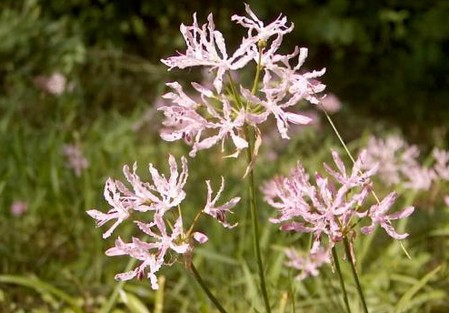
(258,70)
(337,133)
(340,276)
(254,220)
(206,290)
(291,291)
(159,301)
(354,273)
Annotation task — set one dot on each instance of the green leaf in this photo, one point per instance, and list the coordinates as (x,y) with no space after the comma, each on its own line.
(404,302)
(41,287)
(132,302)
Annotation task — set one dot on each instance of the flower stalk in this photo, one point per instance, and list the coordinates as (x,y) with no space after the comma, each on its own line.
(209,294)
(340,277)
(354,274)
(255,224)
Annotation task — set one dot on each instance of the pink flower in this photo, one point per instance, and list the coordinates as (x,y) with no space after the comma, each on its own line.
(161,240)
(284,81)
(257,30)
(378,216)
(166,238)
(141,251)
(273,105)
(160,196)
(120,210)
(418,178)
(202,44)
(184,121)
(325,208)
(54,84)
(220,115)
(319,209)
(75,158)
(399,163)
(357,177)
(441,166)
(308,263)
(219,212)
(18,208)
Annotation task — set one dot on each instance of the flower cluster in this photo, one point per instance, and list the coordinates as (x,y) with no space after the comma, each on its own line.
(54,84)
(224,110)
(19,207)
(75,158)
(148,204)
(401,165)
(331,206)
(307,264)
(441,164)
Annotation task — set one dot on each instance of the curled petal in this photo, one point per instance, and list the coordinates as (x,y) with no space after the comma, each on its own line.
(219,212)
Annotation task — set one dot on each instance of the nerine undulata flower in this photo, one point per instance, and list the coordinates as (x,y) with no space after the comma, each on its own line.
(75,158)
(54,84)
(330,206)
(224,111)
(206,47)
(18,207)
(307,263)
(160,196)
(441,166)
(146,204)
(400,164)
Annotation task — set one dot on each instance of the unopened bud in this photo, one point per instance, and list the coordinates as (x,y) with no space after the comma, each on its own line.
(261,44)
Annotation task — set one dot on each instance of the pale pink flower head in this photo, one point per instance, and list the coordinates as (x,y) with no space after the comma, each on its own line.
(221,113)
(18,208)
(320,208)
(120,210)
(307,263)
(147,203)
(418,177)
(358,176)
(206,47)
(159,196)
(140,251)
(377,214)
(388,152)
(183,120)
(54,84)
(400,163)
(329,206)
(257,30)
(75,158)
(163,241)
(441,166)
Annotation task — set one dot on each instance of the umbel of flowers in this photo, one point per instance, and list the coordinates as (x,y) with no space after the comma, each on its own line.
(331,207)
(155,208)
(228,107)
